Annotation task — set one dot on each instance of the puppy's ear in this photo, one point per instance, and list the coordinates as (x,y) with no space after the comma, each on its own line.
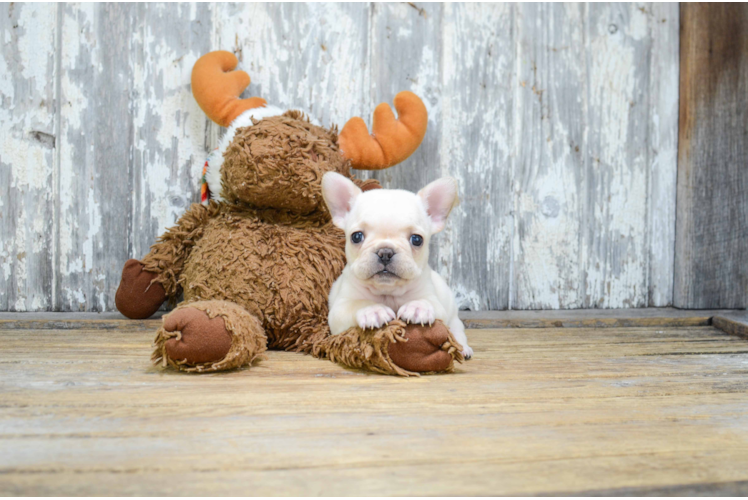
(339,193)
(439,198)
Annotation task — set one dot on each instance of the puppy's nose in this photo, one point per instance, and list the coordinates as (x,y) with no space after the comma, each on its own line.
(385,255)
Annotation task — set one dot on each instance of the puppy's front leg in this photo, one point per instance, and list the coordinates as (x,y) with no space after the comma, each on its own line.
(458,330)
(363,313)
(421,311)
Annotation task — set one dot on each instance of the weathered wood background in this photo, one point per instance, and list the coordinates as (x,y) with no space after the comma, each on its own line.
(711,265)
(559,120)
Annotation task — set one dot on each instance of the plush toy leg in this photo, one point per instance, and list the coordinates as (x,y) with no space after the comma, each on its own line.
(138,296)
(396,349)
(208,336)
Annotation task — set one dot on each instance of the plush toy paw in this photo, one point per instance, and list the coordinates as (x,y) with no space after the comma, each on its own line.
(208,336)
(138,296)
(427,349)
(395,349)
(200,339)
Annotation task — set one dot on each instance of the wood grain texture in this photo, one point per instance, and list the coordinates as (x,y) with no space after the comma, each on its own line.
(732,322)
(478,88)
(622,151)
(537,411)
(131,141)
(549,169)
(311,57)
(170,133)
(558,120)
(95,148)
(725,489)
(592,140)
(711,257)
(584,318)
(662,151)
(28,59)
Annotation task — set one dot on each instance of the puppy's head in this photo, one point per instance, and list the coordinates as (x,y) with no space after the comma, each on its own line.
(388,230)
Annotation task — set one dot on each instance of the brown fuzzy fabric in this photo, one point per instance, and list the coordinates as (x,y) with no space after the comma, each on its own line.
(277,265)
(279,163)
(369,349)
(167,255)
(248,338)
(289,182)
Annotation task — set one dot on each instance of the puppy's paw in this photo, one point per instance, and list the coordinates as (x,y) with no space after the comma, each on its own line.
(467,352)
(417,312)
(374,316)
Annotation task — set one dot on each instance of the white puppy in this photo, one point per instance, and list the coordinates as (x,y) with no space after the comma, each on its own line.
(387,250)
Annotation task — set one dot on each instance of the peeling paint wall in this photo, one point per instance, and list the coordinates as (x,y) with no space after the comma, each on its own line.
(559,121)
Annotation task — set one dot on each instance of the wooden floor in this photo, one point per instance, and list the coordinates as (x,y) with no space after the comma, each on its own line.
(655,410)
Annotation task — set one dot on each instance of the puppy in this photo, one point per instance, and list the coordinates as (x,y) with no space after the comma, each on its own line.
(387,250)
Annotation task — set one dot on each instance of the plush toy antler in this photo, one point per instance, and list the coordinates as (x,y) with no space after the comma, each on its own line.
(392,140)
(217,88)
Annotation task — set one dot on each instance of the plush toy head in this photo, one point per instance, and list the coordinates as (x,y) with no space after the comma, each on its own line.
(274,159)
(279,163)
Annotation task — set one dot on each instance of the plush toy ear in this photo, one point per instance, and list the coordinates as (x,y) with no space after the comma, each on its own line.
(439,198)
(339,193)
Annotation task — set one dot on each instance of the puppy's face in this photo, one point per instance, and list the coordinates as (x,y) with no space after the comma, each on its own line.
(388,231)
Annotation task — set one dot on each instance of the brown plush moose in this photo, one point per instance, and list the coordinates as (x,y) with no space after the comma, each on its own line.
(255,263)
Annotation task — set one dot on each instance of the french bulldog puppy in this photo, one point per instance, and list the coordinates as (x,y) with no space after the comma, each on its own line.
(387,252)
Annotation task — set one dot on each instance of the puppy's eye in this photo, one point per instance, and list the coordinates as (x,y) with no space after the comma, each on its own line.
(416,240)
(357,237)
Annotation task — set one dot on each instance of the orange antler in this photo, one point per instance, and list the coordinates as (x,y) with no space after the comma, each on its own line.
(217,88)
(391,141)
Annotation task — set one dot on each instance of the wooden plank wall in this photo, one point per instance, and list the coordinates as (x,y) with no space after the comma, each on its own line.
(712,229)
(559,121)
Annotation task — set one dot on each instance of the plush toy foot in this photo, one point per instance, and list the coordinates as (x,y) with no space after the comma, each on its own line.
(427,348)
(138,296)
(209,336)
(199,338)
(395,349)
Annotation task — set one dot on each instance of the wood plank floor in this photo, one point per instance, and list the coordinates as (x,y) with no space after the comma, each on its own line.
(537,411)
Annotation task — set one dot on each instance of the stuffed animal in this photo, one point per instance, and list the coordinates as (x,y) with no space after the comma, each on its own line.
(256,260)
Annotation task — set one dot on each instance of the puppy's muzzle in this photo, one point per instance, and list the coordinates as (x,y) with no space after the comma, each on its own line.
(385,263)
(385,255)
